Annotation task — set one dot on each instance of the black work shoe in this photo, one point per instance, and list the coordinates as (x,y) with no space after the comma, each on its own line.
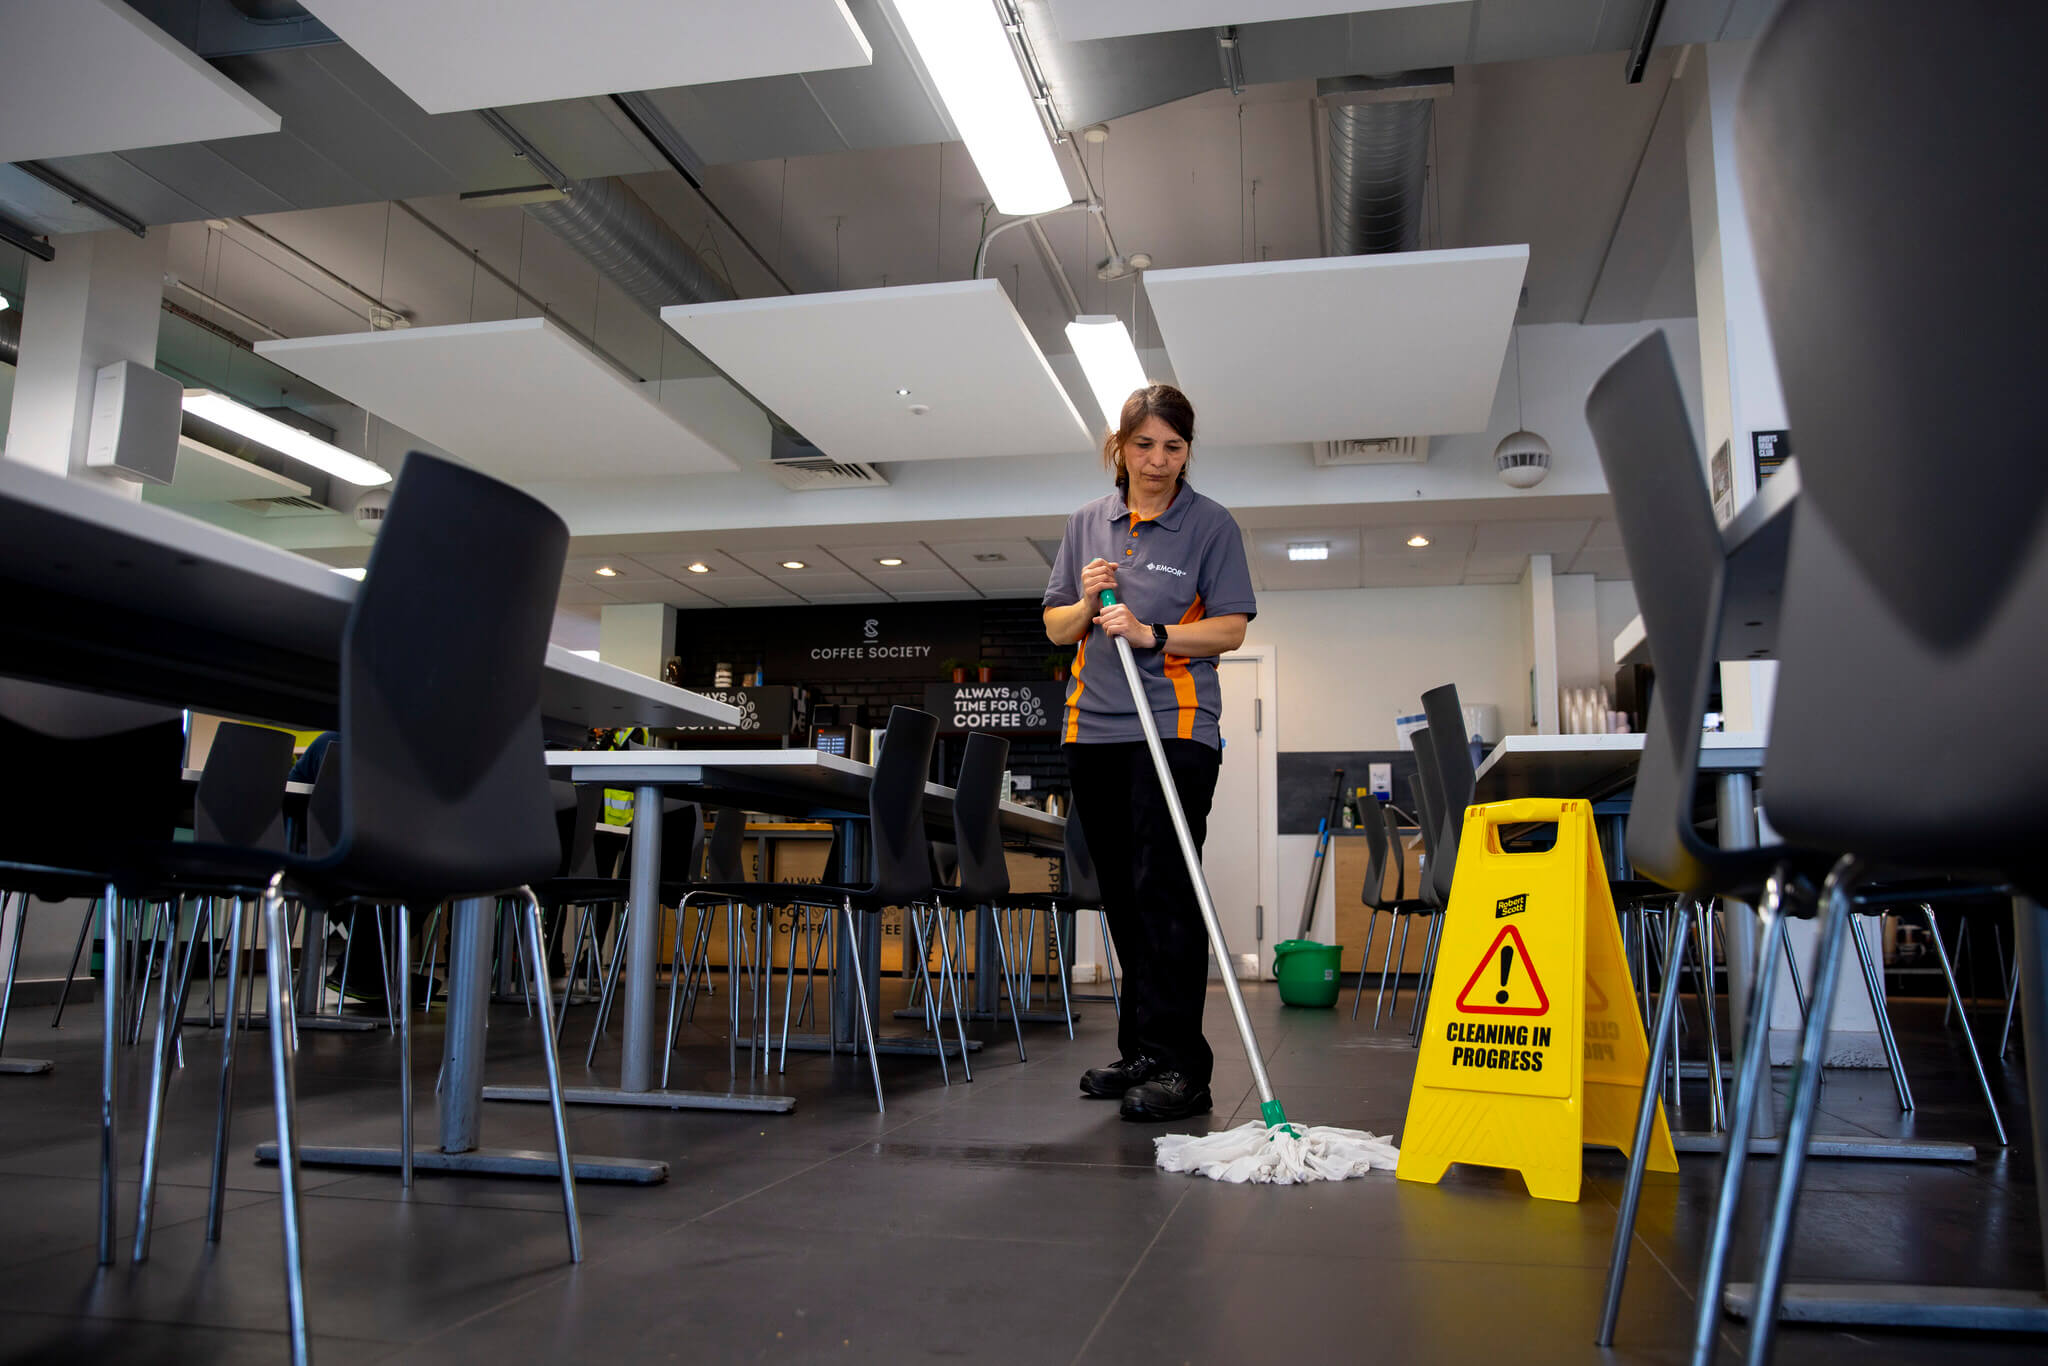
(1168,1095)
(1110,1083)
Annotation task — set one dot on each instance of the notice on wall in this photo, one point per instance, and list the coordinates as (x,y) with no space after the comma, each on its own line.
(1769,450)
(1005,708)
(1721,479)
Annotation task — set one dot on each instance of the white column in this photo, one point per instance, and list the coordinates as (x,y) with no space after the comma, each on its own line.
(1740,393)
(97,303)
(639,636)
(1539,603)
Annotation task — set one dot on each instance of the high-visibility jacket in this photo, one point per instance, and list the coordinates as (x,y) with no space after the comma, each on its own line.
(618,801)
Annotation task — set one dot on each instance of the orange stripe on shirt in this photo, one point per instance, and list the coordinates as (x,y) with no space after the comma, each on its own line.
(1074,695)
(1183,682)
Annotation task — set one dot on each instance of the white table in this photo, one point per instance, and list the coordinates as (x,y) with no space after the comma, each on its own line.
(1593,766)
(119,596)
(805,783)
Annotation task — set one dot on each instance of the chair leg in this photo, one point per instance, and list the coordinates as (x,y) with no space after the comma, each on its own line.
(1059,954)
(789,987)
(732,990)
(1703,939)
(934,1004)
(920,986)
(384,973)
(1116,1000)
(405,1045)
(224,1114)
(71,973)
(1639,1152)
(1003,948)
(1835,914)
(851,942)
(159,1083)
(2012,998)
(537,949)
(813,940)
(953,988)
(611,982)
(1969,1036)
(1751,1076)
(1358,996)
(1399,961)
(283,1100)
(675,988)
(1425,980)
(110,1016)
(1873,984)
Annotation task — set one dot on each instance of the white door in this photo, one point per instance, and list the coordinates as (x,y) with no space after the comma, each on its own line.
(1230,855)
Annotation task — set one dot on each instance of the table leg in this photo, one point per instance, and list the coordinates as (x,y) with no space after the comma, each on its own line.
(642,1043)
(462,1091)
(1735,802)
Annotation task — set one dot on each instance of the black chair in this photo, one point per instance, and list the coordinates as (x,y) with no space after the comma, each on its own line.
(724,861)
(983,882)
(1082,887)
(443,789)
(1917,577)
(899,858)
(682,848)
(1429,815)
(1383,847)
(62,746)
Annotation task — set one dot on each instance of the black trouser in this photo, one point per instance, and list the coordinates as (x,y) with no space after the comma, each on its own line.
(1146,895)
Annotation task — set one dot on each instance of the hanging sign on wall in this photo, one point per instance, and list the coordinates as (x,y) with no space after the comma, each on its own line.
(1005,708)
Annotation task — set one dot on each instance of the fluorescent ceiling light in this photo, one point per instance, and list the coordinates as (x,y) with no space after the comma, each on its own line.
(587,654)
(242,420)
(968,56)
(356,573)
(890,561)
(1103,346)
(1418,540)
(3,303)
(1318,550)
(605,571)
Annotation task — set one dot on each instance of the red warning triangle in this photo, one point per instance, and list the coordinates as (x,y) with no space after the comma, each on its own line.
(1486,991)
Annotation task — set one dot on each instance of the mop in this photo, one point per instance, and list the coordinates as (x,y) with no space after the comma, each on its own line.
(1268,1149)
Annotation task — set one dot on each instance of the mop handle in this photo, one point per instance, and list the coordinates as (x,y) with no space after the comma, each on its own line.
(1194,862)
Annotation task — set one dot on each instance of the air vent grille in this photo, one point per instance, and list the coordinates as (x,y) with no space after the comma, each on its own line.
(283,507)
(803,475)
(1373,450)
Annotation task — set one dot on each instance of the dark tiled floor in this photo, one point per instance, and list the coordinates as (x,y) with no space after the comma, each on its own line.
(1007,1220)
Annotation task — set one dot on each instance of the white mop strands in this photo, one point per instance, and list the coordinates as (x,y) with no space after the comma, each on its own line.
(1278,1154)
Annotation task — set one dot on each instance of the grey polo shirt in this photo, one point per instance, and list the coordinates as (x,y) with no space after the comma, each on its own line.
(1183,565)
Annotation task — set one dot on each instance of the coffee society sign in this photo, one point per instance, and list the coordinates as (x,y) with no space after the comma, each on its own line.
(1006,708)
(873,647)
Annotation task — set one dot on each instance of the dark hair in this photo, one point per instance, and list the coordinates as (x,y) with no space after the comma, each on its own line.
(1162,401)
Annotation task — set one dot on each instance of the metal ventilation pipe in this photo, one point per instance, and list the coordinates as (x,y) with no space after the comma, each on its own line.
(1379,158)
(613,229)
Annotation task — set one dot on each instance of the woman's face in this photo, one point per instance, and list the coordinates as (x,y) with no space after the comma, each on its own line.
(1154,456)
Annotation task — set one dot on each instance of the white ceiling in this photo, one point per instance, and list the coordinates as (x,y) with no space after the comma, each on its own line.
(831,366)
(451,55)
(205,475)
(1351,346)
(521,399)
(1459,552)
(1080,20)
(87,76)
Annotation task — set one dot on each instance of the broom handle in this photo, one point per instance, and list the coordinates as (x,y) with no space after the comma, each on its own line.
(1194,862)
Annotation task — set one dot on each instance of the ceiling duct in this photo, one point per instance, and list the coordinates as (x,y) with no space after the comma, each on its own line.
(630,245)
(1378,137)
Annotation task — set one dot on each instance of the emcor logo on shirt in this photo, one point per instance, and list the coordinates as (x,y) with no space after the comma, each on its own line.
(1168,569)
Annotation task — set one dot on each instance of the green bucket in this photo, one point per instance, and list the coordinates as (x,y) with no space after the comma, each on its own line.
(1307,972)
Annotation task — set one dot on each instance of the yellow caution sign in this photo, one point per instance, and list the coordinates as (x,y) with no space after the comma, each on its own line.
(1533,1047)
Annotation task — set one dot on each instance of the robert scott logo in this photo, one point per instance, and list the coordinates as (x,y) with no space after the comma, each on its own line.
(1510,905)
(871,629)
(1168,569)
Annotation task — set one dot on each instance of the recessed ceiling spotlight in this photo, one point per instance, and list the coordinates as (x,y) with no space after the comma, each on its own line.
(991,557)
(903,393)
(889,561)
(605,571)
(1418,540)
(792,564)
(1309,550)
(699,567)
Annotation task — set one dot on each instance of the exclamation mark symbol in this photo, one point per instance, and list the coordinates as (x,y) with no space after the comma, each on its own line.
(1507,960)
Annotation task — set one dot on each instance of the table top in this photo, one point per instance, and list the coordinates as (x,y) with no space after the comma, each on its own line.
(1757,538)
(121,596)
(1593,766)
(790,782)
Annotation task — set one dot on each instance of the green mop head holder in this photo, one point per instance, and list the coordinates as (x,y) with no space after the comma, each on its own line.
(1271,1112)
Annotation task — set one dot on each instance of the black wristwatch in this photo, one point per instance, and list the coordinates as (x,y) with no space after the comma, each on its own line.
(1158,629)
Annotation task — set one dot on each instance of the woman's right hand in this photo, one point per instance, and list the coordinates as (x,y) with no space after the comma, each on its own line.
(1098,576)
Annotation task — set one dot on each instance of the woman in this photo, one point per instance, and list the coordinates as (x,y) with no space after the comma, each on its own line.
(1176,563)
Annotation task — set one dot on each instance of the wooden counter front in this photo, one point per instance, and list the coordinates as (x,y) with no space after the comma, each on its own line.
(1349,856)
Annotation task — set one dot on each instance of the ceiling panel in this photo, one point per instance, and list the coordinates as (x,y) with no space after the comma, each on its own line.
(1605,535)
(1081,20)
(1445,538)
(677,565)
(89,76)
(971,556)
(1276,571)
(1604,564)
(451,55)
(1531,537)
(922,582)
(917,558)
(1404,344)
(578,594)
(519,399)
(831,365)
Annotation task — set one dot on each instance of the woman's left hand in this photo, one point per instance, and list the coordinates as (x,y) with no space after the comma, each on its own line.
(1116,620)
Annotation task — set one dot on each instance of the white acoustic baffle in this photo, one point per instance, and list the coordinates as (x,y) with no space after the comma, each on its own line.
(912,372)
(451,55)
(87,76)
(1401,344)
(1080,20)
(523,400)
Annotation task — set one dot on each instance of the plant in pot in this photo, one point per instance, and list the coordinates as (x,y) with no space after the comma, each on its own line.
(982,669)
(1057,663)
(953,669)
